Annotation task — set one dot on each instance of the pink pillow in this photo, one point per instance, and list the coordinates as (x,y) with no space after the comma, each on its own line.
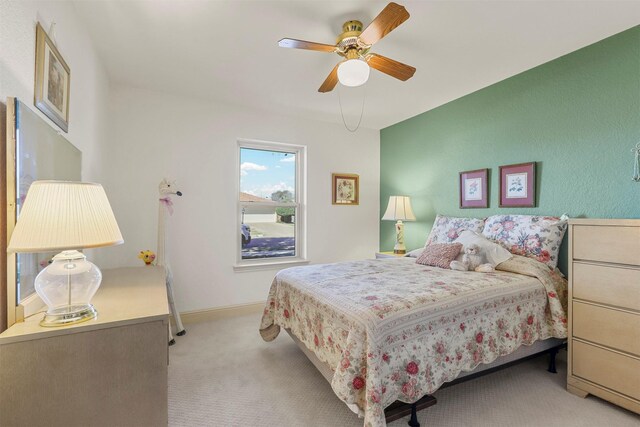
(439,254)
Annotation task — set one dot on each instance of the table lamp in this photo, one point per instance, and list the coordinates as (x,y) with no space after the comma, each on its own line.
(63,215)
(399,208)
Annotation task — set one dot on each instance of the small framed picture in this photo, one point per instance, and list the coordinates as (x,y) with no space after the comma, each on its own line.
(345,189)
(53,81)
(474,189)
(518,185)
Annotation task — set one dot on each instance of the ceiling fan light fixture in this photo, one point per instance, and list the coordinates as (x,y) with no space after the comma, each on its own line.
(353,72)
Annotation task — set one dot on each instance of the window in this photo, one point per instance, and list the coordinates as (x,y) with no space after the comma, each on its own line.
(270,203)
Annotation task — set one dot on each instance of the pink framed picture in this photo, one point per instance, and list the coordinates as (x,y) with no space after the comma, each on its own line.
(518,185)
(474,189)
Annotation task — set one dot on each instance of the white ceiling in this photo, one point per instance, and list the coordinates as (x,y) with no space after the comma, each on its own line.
(227,51)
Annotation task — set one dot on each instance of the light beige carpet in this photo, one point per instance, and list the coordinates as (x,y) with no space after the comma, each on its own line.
(222,374)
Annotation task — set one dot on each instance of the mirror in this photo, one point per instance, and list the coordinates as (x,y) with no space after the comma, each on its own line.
(39,152)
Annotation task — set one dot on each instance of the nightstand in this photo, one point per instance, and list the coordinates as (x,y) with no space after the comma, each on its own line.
(389,254)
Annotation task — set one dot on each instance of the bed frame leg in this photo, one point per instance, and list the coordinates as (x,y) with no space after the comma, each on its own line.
(413,422)
(552,360)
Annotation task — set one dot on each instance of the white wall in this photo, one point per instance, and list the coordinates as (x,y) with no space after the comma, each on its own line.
(155,135)
(131,138)
(88,106)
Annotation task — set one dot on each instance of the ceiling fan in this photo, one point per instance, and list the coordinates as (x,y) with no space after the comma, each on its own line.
(354,44)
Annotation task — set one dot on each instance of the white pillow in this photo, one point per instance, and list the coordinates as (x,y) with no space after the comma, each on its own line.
(493,253)
(415,253)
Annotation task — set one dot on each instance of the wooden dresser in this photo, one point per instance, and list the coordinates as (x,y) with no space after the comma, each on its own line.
(604,310)
(108,371)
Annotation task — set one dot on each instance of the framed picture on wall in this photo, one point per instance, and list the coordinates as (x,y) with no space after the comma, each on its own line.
(474,189)
(518,185)
(53,81)
(345,189)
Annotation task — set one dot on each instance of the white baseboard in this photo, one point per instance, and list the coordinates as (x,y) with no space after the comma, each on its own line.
(206,314)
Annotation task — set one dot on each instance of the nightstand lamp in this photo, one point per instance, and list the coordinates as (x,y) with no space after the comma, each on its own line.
(62,215)
(399,209)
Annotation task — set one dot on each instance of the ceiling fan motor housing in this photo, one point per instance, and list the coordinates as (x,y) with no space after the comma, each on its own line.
(349,41)
(352,27)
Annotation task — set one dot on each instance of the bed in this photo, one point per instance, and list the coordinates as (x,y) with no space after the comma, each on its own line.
(389,330)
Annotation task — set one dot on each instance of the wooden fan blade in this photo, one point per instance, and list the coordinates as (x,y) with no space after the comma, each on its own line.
(331,80)
(389,66)
(390,17)
(301,44)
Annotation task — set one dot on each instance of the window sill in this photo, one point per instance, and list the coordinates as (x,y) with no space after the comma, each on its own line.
(269,265)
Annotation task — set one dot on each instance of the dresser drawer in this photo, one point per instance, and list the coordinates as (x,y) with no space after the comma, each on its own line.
(607,243)
(607,285)
(613,328)
(606,368)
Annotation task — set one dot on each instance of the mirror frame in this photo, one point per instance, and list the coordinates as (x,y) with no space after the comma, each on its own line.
(31,304)
(10,212)
(4,137)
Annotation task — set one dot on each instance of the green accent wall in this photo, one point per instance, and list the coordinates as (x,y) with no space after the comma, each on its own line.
(577,116)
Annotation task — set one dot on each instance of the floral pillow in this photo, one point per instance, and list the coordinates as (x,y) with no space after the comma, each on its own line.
(439,254)
(446,229)
(537,237)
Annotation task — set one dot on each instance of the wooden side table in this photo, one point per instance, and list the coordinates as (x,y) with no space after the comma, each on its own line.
(388,254)
(108,371)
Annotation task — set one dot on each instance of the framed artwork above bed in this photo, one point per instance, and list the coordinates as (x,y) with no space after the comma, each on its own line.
(474,189)
(518,185)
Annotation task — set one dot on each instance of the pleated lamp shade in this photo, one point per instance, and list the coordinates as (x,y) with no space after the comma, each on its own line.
(399,208)
(62,215)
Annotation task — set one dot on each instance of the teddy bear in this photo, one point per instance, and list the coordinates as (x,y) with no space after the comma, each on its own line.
(471,261)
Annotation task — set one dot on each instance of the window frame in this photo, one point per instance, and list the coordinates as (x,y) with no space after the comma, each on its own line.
(299,203)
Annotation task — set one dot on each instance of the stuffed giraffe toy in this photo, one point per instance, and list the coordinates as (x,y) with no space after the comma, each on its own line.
(166,189)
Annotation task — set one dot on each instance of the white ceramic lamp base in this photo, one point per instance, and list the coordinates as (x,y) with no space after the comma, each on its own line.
(399,248)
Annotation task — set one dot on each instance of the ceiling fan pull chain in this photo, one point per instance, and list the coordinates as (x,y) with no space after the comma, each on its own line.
(361,110)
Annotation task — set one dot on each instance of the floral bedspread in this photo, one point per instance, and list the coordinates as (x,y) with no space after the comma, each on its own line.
(392,329)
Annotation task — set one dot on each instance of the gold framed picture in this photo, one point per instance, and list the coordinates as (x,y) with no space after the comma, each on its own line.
(345,189)
(53,81)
